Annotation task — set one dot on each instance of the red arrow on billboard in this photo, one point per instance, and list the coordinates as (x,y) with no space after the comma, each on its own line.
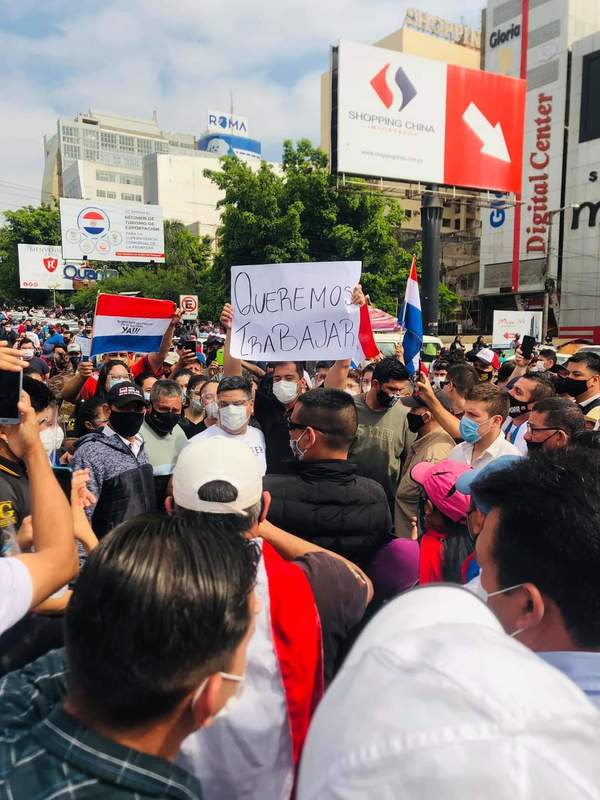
(484,129)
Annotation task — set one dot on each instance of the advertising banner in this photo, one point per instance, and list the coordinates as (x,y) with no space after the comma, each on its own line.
(111,231)
(295,312)
(224,121)
(508,324)
(409,118)
(41,266)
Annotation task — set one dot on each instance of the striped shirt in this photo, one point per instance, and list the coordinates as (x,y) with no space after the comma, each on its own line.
(46,753)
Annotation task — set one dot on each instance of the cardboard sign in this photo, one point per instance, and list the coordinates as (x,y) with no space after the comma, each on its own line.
(295,312)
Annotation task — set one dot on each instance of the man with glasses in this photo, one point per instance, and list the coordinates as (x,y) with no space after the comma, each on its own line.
(486,408)
(553,423)
(234,401)
(323,499)
(383,435)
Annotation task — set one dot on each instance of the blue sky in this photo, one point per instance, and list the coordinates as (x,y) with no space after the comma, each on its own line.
(180,58)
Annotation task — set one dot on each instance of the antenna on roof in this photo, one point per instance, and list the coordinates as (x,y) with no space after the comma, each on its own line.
(155,116)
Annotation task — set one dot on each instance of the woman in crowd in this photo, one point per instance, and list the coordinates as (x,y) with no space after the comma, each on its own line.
(112,372)
(193,418)
(145,380)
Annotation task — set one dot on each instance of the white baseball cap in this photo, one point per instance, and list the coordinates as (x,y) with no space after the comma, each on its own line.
(436,701)
(217,458)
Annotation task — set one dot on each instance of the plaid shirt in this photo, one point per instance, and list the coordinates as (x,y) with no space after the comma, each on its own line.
(46,753)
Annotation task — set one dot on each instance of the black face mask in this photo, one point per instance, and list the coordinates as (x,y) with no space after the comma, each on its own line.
(517,407)
(162,422)
(384,399)
(126,423)
(484,377)
(571,386)
(534,447)
(415,422)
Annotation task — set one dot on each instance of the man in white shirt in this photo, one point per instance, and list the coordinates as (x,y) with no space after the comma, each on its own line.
(523,394)
(486,408)
(234,399)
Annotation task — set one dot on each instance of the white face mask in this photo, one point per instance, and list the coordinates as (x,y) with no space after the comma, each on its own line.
(212,410)
(233,700)
(233,418)
(477,589)
(147,396)
(285,391)
(114,381)
(26,354)
(52,438)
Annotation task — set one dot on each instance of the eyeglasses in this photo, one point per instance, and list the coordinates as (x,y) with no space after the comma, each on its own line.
(297,426)
(537,430)
(118,355)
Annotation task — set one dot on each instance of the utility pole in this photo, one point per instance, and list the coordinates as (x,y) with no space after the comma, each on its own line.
(432,210)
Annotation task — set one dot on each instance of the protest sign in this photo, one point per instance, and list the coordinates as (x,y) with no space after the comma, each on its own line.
(136,324)
(295,312)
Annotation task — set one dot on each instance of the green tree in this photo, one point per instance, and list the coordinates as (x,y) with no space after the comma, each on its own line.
(301,215)
(28,225)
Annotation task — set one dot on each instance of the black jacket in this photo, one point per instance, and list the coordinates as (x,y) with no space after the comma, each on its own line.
(327,503)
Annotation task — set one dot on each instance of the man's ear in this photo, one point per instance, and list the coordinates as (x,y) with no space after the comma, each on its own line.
(266,505)
(532,609)
(207,705)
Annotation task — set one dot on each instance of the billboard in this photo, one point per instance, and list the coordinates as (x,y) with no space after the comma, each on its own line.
(226,144)
(408,118)
(111,231)
(508,324)
(225,122)
(514,237)
(41,266)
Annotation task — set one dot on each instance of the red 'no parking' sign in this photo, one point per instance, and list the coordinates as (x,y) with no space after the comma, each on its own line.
(188,303)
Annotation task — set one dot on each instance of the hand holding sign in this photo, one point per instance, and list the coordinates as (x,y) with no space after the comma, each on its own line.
(287,312)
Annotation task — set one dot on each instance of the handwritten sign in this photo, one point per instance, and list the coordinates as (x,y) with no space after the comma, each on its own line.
(294,312)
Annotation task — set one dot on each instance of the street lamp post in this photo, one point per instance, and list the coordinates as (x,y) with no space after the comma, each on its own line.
(549,282)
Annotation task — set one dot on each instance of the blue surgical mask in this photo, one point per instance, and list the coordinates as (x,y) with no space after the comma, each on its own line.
(469,430)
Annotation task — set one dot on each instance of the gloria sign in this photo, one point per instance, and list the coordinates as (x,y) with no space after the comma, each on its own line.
(111,232)
(409,118)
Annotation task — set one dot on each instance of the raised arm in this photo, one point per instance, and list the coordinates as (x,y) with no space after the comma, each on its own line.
(447,420)
(338,374)
(231,365)
(156,360)
(54,562)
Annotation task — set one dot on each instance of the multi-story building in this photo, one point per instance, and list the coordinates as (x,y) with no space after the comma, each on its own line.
(528,243)
(100,155)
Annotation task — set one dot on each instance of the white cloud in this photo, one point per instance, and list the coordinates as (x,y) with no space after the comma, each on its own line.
(179,58)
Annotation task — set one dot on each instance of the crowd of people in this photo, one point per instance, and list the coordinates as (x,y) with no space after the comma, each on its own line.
(228,579)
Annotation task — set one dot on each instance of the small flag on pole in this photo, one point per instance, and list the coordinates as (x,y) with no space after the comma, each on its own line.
(129,323)
(412,321)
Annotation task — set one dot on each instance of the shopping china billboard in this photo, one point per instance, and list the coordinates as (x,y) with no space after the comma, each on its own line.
(409,118)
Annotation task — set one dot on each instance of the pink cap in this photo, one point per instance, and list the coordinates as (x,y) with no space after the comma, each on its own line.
(439,482)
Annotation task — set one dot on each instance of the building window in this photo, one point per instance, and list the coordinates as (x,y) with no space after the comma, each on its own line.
(128,196)
(108,140)
(127,144)
(589,122)
(100,193)
(160,147)
(111,195)
(90,155)
(144,146)
(457,224)
(445,222)
(71,151)
(104,175)
(131,180)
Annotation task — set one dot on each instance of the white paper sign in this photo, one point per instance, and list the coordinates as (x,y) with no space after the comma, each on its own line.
(294,312)
(84,344)
(507,324)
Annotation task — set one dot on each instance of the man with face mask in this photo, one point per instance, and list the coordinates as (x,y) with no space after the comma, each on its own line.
(163,438)
(323,499)
(583,380)
(487,363)
(235,407)
(539,553)
(553,423)
(432,444)
(523,393)
(486,408)
(121,476)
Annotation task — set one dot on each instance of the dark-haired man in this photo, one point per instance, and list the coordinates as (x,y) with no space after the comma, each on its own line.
(235,404)
(539,553)
(323,500)
(383,434)
(310,597)
(583,380)
(553,423)
(523,393)
(106,718)
(460,380)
